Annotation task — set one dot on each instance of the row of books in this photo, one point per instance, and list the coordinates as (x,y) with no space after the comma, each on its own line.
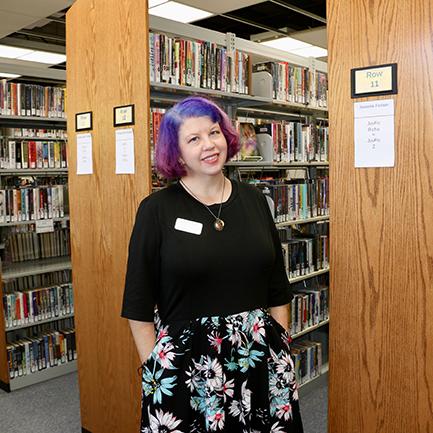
(283,141)
(59,134)
(307,358)
(200,64)
(29,245)
(32,354)
(32,306)
(19,99)
(302,256)
(18,154)
(29,282)
(33,203)
(296,199)
(308,308)
(286,141)
(291,83)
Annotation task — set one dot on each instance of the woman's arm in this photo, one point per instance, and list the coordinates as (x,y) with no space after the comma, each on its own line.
(144,337)
(281,315)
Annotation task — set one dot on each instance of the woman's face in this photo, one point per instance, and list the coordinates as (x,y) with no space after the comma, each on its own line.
(203,147)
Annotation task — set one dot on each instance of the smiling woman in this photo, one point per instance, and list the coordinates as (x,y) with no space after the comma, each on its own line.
(220,360)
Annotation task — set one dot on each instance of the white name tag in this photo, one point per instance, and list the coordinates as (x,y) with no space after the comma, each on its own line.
(188,226)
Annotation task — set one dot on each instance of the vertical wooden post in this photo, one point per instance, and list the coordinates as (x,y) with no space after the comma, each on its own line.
(381,329)
(107,66)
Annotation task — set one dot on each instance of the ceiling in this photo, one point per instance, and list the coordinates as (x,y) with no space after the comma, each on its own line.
(41,25)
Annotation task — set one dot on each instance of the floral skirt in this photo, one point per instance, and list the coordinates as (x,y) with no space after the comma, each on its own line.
(231,374)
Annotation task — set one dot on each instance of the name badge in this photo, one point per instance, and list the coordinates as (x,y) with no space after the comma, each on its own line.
(188,226)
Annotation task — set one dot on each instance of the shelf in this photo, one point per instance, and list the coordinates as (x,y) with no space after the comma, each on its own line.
(36,267)
(20,223)
(165,92)
(32,121)
(171,93)
(32,118)
(43,375)
(32,171)
(324,370)
(310,329)
(275,165)
(306,277)
(33,138)
(40,322)
(302,221)
(260,52)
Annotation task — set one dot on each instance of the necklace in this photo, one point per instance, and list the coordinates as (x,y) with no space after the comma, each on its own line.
(218,223)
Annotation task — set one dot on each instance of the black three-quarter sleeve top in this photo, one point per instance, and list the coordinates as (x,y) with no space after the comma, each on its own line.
(189,275)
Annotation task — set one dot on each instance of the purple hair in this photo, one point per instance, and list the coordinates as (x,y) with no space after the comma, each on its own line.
(167,150)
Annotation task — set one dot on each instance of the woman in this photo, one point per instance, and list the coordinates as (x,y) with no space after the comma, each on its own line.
(206,252)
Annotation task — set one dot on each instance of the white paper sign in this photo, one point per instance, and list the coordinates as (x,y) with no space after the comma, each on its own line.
(44,226)
(84,154)
(125,151)
(374,133)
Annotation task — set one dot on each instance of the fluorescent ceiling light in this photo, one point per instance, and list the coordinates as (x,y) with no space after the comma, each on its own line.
(31,55)
(179,12)
(311,52)
(13,52)
(286,44)
(153,3)
(44,57)
(296,47)
(7,75)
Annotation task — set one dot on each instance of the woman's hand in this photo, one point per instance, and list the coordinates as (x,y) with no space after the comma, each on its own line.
(281,315)
(144,337)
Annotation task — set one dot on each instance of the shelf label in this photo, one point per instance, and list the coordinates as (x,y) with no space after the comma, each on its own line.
(45,226)
(374,133)
(374,81)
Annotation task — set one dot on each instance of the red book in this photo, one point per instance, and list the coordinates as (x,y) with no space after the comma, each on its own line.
(32,154)
(18,309)
(25,306)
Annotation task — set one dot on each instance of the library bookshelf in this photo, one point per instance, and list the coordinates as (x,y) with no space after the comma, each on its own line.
(16,372)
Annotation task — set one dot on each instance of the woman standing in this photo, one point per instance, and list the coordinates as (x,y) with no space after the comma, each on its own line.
(206,252)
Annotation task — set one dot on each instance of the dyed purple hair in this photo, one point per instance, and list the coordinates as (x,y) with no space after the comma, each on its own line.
(167,148)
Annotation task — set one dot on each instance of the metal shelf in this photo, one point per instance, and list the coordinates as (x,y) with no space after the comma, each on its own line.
(33,118)
(170,93)
(43,375)
(258,51)
(40,322)
(33,138)
(309,329)
(32,121)
(275,165)
(32,171)
(324,370)
(306,277)
(302,221)
(20,223)
(36,267)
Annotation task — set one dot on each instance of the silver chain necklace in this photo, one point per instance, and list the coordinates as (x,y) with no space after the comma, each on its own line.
(218,223)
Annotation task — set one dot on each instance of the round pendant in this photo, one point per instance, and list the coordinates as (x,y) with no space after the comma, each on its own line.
(218,224)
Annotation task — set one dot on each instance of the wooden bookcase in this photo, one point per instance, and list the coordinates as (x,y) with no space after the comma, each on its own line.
(381,367)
